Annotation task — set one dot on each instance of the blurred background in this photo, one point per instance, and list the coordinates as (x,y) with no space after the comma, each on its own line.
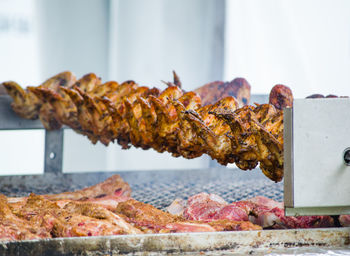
(302,44)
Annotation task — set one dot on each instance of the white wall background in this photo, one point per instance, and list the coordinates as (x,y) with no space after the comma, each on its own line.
(20,151)
(149,39)
(302,44)
(19,41)
(120,40)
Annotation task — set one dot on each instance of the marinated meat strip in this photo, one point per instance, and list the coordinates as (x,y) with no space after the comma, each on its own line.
(230,225)
(14,228)
(145,216)
(107,193)
(109,202)
(114,185)
(74,219)
(100,213)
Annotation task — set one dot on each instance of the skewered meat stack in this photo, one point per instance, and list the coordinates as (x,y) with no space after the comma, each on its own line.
(171,120)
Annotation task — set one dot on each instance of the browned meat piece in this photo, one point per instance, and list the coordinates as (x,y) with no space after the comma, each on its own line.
(90,210)
(145,216)
(214,91)
(64,109)
(281,96)
(107,193)
(176,81)
(79,225)
(14,228)
(315,96)
(109,202)
(320,96)
(213,132)
(75,219)
(332,96)
(189,144)
(28,105)
(230,225)
(25,103)
(254,142)
(114,185)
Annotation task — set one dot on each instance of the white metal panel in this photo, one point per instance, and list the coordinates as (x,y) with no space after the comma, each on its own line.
(321,133)
(21,152)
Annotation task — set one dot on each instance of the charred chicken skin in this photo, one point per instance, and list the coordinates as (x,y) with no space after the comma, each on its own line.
(171,120)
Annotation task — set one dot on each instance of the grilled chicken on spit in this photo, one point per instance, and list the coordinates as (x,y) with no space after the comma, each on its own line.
(28,105)
(171,120)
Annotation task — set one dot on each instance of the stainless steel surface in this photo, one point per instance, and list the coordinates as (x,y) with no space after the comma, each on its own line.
(304,211)
(288,157)
(239,242)
(53,151)
(316,178)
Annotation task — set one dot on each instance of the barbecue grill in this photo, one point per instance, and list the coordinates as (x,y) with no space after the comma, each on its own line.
(160,188)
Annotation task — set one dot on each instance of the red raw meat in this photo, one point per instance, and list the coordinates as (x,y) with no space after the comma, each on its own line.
(259,210)
(344,220)
(203,206)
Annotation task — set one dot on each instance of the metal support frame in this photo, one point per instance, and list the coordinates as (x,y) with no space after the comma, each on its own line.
(53,139)
(316,143)
(53,151)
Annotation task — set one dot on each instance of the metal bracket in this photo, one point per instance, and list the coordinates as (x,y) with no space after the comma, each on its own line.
(53,139)
(53,151)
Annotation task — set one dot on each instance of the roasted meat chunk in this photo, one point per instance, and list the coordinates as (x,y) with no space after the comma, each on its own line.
(281,96)
(214,91)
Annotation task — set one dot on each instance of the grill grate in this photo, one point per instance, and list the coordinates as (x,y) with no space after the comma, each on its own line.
(158,188)
(162,195)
